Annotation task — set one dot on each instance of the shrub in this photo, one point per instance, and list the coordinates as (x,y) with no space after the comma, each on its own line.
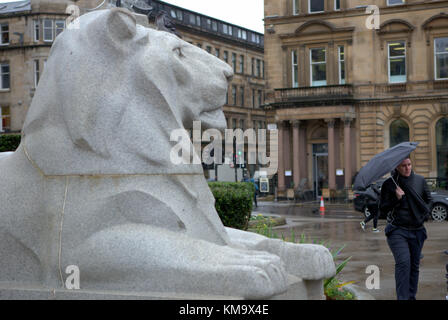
(9,142)
(333,287)
(233,202)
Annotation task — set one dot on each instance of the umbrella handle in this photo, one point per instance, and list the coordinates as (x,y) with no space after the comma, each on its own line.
(394,181)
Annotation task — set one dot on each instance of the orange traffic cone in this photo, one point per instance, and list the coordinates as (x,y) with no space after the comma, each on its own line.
(322,206)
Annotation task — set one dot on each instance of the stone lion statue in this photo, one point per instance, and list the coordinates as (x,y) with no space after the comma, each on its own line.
(91,184)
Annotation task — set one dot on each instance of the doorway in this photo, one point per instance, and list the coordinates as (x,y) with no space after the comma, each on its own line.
(320,168)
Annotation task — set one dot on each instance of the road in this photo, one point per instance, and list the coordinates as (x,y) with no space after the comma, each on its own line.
(340,226)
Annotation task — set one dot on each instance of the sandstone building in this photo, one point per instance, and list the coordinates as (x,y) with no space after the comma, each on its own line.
(341,88)
(29,28)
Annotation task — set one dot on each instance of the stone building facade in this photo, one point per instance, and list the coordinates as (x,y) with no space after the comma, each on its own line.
(29,28)
(346,81)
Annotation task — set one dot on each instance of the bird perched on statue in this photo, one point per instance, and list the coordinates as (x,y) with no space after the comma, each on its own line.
(164,23)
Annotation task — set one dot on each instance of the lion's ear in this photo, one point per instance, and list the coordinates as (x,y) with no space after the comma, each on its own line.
(121,25)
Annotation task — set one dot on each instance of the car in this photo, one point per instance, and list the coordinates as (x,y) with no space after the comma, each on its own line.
(365,201)
(439,210)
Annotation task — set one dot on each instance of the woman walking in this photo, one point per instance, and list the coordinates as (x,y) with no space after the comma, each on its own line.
(406,199)
(372,207)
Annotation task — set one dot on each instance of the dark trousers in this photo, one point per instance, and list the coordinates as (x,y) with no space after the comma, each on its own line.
(406,246)
(373,215)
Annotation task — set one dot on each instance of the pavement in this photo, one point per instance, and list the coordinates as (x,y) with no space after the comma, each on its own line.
(340,226)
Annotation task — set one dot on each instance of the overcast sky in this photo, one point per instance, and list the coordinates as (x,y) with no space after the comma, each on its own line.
(245,13)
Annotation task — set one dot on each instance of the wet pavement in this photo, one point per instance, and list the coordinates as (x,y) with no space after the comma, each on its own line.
(340,226)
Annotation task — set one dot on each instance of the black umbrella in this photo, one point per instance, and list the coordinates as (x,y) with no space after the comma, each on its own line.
(382,164)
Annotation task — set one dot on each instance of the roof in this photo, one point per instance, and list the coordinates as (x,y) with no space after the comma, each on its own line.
(16,6)
(251,37)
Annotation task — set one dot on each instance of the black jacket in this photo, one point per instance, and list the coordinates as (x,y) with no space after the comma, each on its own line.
(411,211)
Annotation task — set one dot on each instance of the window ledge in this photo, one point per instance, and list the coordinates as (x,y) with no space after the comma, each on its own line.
(5,90)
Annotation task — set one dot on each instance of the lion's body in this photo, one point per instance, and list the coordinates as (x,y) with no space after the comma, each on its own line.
(91,184)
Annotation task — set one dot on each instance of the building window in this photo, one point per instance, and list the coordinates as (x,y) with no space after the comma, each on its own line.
(295,7)
(234,124)
(36,30)
(337,4)
(217,52)
(234,95)
(242,124)
(316,6)
(242,96)
(241,63)
(397,61)
(36,73)
(318,67)
(260,98)
(4,27)
(48,30)
(208,49)
(214,26)
(4,76)
(192,19)
(59,27)
(242,34)
(234,61)
(262,69)
(176,14)
(226,29)
(254,92)
(5,124)
(226,56)
(295,69)
(395,2)
(195,20)
(258,68)
(253,66)
(398,132)
(341,54)
(441,58)
(442,147)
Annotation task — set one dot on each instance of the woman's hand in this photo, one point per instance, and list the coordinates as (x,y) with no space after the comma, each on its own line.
(399,193)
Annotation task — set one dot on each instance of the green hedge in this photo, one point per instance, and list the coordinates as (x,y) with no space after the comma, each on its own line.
(9,142)
(233,202)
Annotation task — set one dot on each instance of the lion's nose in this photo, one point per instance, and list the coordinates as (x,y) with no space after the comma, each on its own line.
(228,73)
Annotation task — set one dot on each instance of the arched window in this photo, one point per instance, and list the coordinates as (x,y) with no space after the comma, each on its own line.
(398,132)
(442,147)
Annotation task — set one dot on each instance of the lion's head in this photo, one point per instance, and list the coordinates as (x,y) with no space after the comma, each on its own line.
(112,92)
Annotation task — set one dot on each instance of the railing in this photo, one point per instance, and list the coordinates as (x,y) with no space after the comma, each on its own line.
(437,183)
(326,92)
(390,88)
(439,85)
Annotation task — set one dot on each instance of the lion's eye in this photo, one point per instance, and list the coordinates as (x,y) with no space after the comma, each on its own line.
(178,50)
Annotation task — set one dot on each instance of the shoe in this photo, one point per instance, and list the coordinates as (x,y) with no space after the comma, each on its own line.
(375,230)
(363,225)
